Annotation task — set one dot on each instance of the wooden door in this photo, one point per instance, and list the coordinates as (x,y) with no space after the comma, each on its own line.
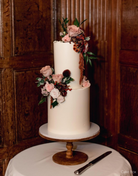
(128,60)
(25,46)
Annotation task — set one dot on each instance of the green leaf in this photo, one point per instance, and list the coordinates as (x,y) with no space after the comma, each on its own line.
(38,78)
(87,38)
(66,20)
(84,55)
(76,22)
(90,62)
(68,80)
(87,59)
(71,79)
(55,103)
(90,53)
(38,85)
(83,21)
(43,99)
(42,81)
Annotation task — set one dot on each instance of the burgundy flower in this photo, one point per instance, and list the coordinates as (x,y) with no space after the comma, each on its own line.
(66,73)
(64,93)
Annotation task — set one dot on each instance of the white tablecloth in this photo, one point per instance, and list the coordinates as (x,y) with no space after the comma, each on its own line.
(37,161)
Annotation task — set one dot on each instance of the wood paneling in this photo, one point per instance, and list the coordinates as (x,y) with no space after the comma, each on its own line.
(129,25)
(26,33)
(29,116)
(128,133)
(1,125)
(129,99)
(6,30)
(129,57)
(1,30)
(31,32)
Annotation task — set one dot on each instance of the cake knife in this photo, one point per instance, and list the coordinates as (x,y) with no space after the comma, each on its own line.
(91,163)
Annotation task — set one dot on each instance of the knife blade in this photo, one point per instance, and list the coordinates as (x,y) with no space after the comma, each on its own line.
(91,163)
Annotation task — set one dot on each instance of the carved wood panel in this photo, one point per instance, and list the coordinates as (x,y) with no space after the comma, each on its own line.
(129,99)
(129,25)
(29,116)
(1,167)
(26,35)
(1,30)
(128,138)
(1,118)
(32,26)
(6,29)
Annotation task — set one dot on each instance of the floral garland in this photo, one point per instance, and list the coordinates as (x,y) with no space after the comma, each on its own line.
(56,85)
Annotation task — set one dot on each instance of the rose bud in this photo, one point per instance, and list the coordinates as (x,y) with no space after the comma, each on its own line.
(66,73)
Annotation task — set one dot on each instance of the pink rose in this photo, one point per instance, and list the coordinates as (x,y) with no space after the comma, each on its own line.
(44,91)
(54,93)
(57,77)
(49,87)
(46,71)
(60,99)
(86,83)
(66,38)
(73,30)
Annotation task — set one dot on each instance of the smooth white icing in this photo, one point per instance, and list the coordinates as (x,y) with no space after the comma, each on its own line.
(71,117)
(66,58)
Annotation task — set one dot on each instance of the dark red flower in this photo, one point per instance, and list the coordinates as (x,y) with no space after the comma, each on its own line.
(64,93)
(66,73)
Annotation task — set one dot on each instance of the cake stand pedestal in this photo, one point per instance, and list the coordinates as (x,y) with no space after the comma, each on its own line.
(70,157)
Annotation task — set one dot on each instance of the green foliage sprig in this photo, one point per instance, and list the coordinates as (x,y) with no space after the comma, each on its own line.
(88,56)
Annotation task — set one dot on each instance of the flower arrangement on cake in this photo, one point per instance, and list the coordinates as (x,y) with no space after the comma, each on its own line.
(56,85)
(74,33)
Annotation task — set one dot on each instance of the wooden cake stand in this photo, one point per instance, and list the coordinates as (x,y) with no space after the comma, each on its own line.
(70,157)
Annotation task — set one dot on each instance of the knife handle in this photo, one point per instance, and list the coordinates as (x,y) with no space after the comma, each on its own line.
(82,169)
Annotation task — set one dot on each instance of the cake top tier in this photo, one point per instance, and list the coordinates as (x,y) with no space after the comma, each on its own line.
(66,58)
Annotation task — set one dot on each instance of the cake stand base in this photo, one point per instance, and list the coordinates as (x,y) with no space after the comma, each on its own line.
(69,157)
(78,158)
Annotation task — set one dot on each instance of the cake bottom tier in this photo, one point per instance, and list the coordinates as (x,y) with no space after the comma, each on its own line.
(71,117)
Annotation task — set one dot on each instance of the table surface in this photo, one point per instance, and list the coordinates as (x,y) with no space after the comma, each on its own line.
(37,161)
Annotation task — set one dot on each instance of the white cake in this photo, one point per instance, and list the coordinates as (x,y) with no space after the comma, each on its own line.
(72,117)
